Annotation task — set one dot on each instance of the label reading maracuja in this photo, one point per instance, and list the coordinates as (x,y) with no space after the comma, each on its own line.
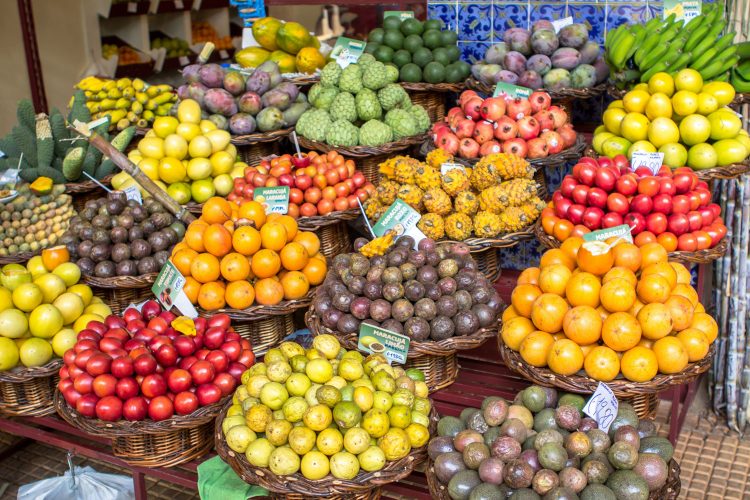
(621,231)
(374,340)
(402,219)
(275,200)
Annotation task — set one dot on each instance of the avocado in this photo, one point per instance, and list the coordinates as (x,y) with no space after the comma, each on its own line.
(434,72)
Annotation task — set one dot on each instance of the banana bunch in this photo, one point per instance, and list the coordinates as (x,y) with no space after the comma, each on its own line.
(637,52)
(740,78)
(127,102)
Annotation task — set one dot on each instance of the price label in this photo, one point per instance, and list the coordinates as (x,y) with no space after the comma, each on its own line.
(223,54)
(132,7)
(184,61)
(559,24)
(347,51)
(274,199)
(168,290)
(448,166)
(682,9)
(95,123)
(133,193)
(622,231)
(375,340)
(511,91)
(602,407)
(401,14)
(402,219)
(652,161)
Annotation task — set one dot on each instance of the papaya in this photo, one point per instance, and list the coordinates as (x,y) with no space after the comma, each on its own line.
(265,31)
(41,186)
(293,37)
(285,61)
(251,57)
(309,59)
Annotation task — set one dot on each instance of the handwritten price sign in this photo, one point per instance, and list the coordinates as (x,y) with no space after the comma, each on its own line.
(602,407)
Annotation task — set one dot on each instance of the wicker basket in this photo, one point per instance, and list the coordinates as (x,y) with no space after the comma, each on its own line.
(86,190)
(252,148)
(432,96)
(329,487)
(699,257)
(488,263)
(29,392)
(121,291)
(569,93)
(669,491)
(18,257)
(427,355)
(265,333)
(148,443)
(331,229)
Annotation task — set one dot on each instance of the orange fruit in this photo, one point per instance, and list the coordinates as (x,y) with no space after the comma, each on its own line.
(681,311)
(696,343)
(265,263)
(216,210)
(562,229)
(686,291)
(205,268)
(535,347)
(548,224)
(182,260)
(308,240)
(707,324)
(191,288)
(254,212)
(522,297)
(662,269)
(294,256)
(289,224)
(603,313)
(217,240)
(211,296)
(683,274)
(627,255)
(194,235)
(620,273)
(556,256)
(529,276)
(586,349)
(554,278)
(644,342)
(655,321)
(53,257)
(315,271)
(671,355)
(617,295)
(273,236)
(235,266)
(548,311)
(654,288)
(637,305)
(595,257)
(644,238)
(583,290)
(602,363)
(699,308)
(668,241)
(515,330)
(295,285)
(639,364)
(508,313)
(240,294)
(565,357)
(582,325)
(571,246)
(246,240)
(179,247)
(652,253)
(621,331)
(268,292)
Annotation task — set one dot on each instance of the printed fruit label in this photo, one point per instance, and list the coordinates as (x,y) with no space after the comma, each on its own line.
(375,340)
(402,219)
(622,231)
(511,91)
(275,200)
(347,51)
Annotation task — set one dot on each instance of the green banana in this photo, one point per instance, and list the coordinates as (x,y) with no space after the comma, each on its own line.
(725,41)
(609,41)
(646,48)
(694,23)
(652,58)
(661,66)
(740,84)
(718,67)
(743,50)
(702,48)
(620,52)
(721,78)
(716,28)
(707,58)
(743,70)
(669,21)
(697,36)
(680,62)
(637,43)
(669,34)
(654,24)
(726,53)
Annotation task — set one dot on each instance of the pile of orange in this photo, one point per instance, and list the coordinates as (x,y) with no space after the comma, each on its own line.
(608,311)
(237,256)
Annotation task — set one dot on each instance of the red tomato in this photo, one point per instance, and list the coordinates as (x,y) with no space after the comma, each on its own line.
(104,385)
(340,204)
(145,364)
(219,359)
(247,358)
(109,409)
(656,223)
(649,186)
(618,203)
(83,383)
(153,385)
(678,224)
(86,405)
(185,403)
(325,207)
(308,210)
(126,388)
(567,185)
(160,408)
(342,190)
(202,372)
(98,364)
(680,204)
(642,203)
(208,394)
(313,195)
(135,408)
(329,193)
(332,177)
(597,197)
(225,382)
(296,195)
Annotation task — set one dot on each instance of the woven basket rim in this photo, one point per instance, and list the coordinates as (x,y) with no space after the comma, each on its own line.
(87,186)
(583,384)
(363,151)
(587,93)
(19,257)
(433,87)
(129,282)
(250,139)
(22,374)
(259,311)
(317,221)
(296,483)
(699,257)
(125,428)
(417,348)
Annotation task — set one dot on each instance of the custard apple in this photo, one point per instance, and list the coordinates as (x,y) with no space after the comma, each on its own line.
(342,133)
(365,60)
(313,124)
(329,76)
(375,133)
(368,107)
(375,76)
(402,123)
(421,116)
(391,96)
(313,93)
(325,97)
(391,72)
(343,107)
(351,79)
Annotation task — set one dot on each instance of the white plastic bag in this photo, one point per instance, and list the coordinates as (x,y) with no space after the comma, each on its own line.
(79,483)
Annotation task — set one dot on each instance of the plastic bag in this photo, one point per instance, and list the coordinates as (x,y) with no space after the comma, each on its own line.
(79,483)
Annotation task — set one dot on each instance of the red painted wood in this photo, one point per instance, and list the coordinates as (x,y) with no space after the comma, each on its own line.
(33,63)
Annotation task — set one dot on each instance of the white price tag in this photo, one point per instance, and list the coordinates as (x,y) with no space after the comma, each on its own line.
(132,7)
(559,24)
(448,166)
(223,54)
(184,61)
(93,124)
(652,161)
(133,193)
(602,406)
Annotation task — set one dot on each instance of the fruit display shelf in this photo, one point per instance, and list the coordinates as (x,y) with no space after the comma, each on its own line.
(556,95)
(699,257)
(29,391)
(363,486)
(148,443)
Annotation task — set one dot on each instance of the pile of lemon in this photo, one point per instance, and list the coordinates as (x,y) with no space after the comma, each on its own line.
(326,410)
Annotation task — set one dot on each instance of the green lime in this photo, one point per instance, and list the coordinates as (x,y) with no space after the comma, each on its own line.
(412,26)
(441,55)
(454,73)
(448,38)
(421,57)
(392,23)
(415,374)
(454,53)
(401,57)
(432,39)
(383,53)
(434,72)
(413,42)
(394,39)
(376,35)
(433,24)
